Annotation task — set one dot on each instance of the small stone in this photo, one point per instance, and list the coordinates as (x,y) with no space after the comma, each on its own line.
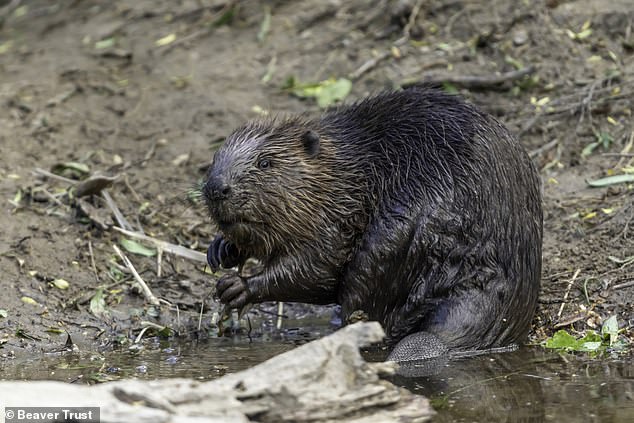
(520,37)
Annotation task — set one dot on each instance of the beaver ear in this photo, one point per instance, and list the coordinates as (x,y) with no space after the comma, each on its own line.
(310,139)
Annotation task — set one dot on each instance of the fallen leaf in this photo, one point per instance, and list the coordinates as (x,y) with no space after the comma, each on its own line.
(29,300)
(136,248)
(168,39)
(61,283)
(611,180)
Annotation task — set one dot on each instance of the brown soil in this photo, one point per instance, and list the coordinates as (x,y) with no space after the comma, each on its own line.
(87,82)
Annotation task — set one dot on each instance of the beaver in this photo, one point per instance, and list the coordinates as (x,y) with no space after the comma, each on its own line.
(412,207)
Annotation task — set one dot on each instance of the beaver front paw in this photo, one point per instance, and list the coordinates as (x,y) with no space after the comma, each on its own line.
(222,253)
(233,291)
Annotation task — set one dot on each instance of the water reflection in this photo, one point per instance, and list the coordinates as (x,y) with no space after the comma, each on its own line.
(529,385)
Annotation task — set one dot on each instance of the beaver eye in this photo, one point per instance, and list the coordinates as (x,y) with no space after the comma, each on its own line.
(264,164)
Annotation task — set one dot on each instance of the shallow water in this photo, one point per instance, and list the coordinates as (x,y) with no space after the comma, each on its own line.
(529,385)
(155,358)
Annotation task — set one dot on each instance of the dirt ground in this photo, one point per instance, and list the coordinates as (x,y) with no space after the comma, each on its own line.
(144,90)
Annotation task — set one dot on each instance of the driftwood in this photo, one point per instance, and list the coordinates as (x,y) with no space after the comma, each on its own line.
(323,381)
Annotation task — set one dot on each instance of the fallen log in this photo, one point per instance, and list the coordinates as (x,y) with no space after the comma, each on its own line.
(326,380)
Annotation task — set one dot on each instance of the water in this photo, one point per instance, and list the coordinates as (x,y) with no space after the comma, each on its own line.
(158,359)
(529,385)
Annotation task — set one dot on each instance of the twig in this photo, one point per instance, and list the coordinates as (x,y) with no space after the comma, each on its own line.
(149,154)
(574,102)
(140,335)
(167,247)
(209,28)
(373,62)
(574,277)
(146,289)
(412,18)
(570,320)
(618,154)
(178,318)
(92,262)
(54,199)
(368,65)
(121,220)
(280,313)
(159,260)
(126,182)
(42,172)
(473,81)
(624,285)
(549,145)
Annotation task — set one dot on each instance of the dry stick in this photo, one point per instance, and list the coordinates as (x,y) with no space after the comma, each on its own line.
(166,246)
(575,319)
(624,285)
(127,184)
(628,148)
(92,262)
(280,312)
(53,199)
(159,259)
(200,315)
(373,62)
(140,335)
(412,18)
(472,81)
(209,28)
(146,289)
(574,106)
(178,317)
(574,277)
(42,172)
(121,220)
(365,67)
(544,148)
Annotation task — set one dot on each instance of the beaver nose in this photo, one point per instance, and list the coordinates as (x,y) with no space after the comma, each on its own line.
(216,189)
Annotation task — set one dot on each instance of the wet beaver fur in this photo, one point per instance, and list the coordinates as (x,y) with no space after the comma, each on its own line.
(411,206)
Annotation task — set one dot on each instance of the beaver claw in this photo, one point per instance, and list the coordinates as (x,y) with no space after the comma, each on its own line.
(222,253)
(233,291)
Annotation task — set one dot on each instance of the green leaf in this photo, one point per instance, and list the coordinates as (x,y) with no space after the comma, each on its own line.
(588,149)
(325,92)
(98,303)
(449,87)
(106,43)
(610,329)
(226,18)
(332,93)
(611,180)
(6,46)
(136,248)
(590,346)
(71,169)
(266,24)
(29,300)
(61,283)
(3,313)
(605,139)
(562,340)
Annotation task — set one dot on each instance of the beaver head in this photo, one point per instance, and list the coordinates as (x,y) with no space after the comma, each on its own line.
(276,186)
